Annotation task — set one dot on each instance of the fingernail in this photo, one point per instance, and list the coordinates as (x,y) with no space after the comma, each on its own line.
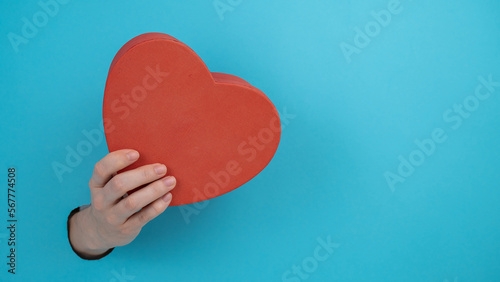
(169,181)
(132,156)
(167,197)
(160,169)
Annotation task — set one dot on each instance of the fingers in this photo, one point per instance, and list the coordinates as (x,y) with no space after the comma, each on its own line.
(129,180)
(150,212)
(110,164)
(143,197)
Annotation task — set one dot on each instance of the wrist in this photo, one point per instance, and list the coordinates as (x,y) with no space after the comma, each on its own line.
(84,236)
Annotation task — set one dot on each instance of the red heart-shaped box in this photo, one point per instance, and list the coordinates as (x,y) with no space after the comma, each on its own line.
(213,131)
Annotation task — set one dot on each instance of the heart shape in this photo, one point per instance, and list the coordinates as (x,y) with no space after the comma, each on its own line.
(213,131)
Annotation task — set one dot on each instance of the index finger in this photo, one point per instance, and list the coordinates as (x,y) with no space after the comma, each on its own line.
(111,164)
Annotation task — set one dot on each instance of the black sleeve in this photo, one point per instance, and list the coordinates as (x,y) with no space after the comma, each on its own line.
(82,255)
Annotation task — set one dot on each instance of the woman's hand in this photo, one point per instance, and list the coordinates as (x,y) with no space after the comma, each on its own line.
(111,220)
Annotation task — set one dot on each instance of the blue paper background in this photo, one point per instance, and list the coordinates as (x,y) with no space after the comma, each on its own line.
(347,124)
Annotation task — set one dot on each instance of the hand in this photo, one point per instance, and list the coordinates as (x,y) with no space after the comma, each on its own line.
(111,220)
